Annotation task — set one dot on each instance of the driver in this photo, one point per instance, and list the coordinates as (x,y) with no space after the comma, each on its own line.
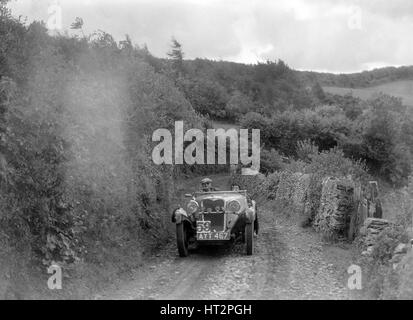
(206,185)
(235,187)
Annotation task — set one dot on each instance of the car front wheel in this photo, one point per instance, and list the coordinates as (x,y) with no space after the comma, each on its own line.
(182,240)
(249,238)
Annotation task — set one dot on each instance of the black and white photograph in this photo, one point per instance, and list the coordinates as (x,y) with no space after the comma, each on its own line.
(206,155)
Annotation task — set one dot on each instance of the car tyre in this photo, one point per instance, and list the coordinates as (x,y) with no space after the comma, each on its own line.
(249,238)
(182,240)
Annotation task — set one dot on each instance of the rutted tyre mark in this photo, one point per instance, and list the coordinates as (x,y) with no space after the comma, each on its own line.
(272,268)
(289,263)
(192,282)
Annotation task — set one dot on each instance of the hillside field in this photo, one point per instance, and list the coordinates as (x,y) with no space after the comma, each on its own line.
(402,89)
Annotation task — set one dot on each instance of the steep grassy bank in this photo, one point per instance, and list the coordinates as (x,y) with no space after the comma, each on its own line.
(78,186)
(402,89)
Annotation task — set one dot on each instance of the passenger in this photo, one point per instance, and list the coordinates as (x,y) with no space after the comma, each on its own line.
(206,185)
(236,187)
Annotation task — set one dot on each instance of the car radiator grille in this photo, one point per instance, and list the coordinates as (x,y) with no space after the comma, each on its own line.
(217,221)
(213,210)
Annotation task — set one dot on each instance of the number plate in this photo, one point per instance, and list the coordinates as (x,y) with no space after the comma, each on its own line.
(213,236)
(203,232)
(203,226)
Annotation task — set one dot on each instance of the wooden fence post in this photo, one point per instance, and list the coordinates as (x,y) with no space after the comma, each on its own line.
(354,218)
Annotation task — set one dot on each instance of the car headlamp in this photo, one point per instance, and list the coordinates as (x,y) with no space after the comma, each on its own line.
(234,206)
(192,206)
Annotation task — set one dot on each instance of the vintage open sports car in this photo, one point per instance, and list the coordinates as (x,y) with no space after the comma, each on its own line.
(215,217)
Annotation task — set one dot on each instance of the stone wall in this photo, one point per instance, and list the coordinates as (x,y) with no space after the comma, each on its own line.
(336,206)
(292,193)
(369,232)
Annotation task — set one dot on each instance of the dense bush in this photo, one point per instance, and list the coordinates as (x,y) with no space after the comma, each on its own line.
(334,163)
(378,138)
(375,136)
(271,161)
(207,97)
(324,125)
(305,149)
(271,85)
(238,105)
(76,118)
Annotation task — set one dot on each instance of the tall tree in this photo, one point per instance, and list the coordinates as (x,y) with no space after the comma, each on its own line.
(177,56)
(78,25)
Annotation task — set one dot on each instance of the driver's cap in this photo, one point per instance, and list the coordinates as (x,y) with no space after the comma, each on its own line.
(206,180)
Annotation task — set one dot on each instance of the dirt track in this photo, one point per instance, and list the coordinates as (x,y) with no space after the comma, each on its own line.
(289,262)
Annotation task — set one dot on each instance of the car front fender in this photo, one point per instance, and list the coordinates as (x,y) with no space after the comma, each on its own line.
(179,215)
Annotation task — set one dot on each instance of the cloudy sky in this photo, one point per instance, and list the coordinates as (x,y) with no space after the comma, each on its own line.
(321,35)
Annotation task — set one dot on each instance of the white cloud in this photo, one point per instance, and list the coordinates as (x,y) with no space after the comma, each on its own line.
(316,34)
